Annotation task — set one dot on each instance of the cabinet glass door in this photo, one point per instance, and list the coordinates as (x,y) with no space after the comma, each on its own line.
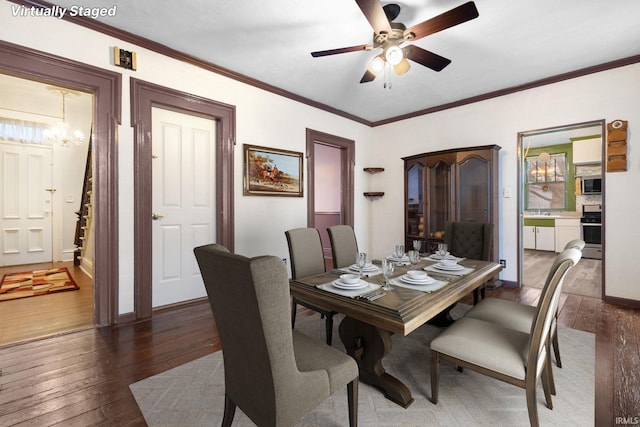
(440,200)
(474,190)
(415,201)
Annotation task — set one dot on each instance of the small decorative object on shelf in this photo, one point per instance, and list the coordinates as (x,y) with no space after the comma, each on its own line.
(617,146)
(373,170)
(374,194)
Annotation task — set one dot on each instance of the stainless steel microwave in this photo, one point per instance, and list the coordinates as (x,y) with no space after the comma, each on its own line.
(591,185)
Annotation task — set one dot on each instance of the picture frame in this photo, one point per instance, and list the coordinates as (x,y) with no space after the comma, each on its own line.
(272,172)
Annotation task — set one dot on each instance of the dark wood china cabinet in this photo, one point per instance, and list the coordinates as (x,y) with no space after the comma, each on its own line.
(450,185)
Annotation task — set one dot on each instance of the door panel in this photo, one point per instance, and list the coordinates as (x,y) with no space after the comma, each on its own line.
(25,204)
(183,200)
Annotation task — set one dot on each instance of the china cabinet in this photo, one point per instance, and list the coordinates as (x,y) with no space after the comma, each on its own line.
(450,185)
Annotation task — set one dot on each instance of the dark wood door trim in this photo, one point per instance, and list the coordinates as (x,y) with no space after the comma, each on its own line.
(348,150)
(106,86)
(144,96)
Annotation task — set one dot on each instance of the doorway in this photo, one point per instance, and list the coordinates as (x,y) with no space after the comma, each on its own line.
(552,162)
(330,165)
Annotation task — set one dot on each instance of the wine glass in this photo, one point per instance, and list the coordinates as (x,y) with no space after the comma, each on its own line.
(361,261)
(417,245)
(387,272)
(414,257)
(442,250)
(399,251)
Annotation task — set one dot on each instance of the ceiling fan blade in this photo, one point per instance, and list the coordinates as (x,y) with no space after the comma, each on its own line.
(367,77)
(426,58)
(341,50)
(375,14)
(458,15)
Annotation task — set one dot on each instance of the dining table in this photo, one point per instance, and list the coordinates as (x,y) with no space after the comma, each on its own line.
(372,315)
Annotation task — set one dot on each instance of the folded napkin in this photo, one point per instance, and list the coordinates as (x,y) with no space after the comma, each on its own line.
(462,272)
(435,257)
(430,287)
(351,293)
(365,273)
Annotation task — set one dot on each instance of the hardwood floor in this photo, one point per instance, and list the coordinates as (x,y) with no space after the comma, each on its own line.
(35,317)
(82,378)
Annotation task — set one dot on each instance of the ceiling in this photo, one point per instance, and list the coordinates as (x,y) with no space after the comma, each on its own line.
(511,43)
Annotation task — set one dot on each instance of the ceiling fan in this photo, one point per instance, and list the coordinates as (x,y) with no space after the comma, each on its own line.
(393,38)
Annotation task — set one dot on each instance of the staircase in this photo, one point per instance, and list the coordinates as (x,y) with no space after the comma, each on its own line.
(85,213)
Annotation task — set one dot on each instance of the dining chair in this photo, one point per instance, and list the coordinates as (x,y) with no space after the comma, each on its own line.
(274,374)
(506,354)
(473,240)
(307,259)
(518,316)
(344,246)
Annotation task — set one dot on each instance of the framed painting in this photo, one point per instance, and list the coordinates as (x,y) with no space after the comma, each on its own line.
(272,172)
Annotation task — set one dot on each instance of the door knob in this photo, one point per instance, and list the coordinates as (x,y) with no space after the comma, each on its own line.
(156,216)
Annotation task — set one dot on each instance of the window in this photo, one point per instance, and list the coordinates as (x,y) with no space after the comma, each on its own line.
(26,132)
(546,182)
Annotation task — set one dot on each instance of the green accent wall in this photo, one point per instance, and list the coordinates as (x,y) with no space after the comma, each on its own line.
(570,187)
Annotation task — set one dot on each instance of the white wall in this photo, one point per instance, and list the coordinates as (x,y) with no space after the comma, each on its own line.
(607,95)
(269,120)
(262,119)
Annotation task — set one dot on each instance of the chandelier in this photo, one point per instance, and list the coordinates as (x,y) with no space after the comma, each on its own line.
(60,135)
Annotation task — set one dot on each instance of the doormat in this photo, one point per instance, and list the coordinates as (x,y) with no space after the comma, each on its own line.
(37,282)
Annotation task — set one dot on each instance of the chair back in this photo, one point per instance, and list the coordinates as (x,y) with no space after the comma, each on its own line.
(575,243)
(305,252)
(541,327)
(249,298)
(344,246)
(472,240)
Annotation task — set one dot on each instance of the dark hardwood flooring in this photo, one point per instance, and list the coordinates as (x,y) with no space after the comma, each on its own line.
(82,378)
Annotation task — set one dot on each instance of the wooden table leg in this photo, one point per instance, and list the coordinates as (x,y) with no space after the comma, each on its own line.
(368,344)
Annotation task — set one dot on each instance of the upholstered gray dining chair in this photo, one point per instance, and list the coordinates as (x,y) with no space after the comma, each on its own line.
(506,354)
(473,240)
(344,245)
(307,259)
(518,316)
(274,374)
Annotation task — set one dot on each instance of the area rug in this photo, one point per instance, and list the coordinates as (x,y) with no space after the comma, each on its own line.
(193,394)
(37,282)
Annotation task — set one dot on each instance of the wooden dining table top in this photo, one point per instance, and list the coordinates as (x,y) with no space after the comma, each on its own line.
(401,310)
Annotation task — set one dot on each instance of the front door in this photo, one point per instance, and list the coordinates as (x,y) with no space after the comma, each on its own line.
(183,204)
(25,204)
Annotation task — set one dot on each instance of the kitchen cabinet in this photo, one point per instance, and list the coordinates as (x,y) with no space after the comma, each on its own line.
(566,230)
(450,185)
(539,234)
(587,150)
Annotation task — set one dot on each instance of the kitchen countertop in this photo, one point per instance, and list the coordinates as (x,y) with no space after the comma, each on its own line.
(554,215)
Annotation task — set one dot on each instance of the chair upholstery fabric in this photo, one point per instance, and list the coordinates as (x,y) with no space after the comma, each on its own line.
(344,246)
(503,353)
(269,371)
(307,259)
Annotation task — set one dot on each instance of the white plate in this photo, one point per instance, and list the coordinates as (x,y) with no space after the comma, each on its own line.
(368,267)
(406,279)
(360,285)
(455,267)
(436,256)
(396,259)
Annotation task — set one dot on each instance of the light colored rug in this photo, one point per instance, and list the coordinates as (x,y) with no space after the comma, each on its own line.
(193,394)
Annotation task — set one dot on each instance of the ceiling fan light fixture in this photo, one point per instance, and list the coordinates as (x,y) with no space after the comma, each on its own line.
(402,67)
(376,65)
(393,55)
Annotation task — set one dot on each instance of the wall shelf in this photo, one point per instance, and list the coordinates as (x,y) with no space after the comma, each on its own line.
(373,170)
(374,194)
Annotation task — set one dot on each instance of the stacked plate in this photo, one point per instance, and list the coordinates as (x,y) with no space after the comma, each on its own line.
(341,284)
(368,268)
(403,258)
(449,267)
(438,256)
(417,278)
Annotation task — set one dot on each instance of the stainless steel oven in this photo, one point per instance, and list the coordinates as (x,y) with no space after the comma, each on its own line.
(592,231)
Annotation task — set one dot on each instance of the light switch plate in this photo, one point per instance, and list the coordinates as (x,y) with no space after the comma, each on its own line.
(507,192)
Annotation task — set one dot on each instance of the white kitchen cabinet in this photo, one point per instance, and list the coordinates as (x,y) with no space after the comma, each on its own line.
(539,238)
(566,231)
(587,150)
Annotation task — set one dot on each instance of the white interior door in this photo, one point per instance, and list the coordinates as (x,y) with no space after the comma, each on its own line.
(183,202)
(26,201)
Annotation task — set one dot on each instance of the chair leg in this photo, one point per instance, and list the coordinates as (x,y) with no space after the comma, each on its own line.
(352,398)
(329,328)
(552,383)
(532,406)
(435,376)
(556,347)
(294,309)
(229,411)
(475,296)
(546,386)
